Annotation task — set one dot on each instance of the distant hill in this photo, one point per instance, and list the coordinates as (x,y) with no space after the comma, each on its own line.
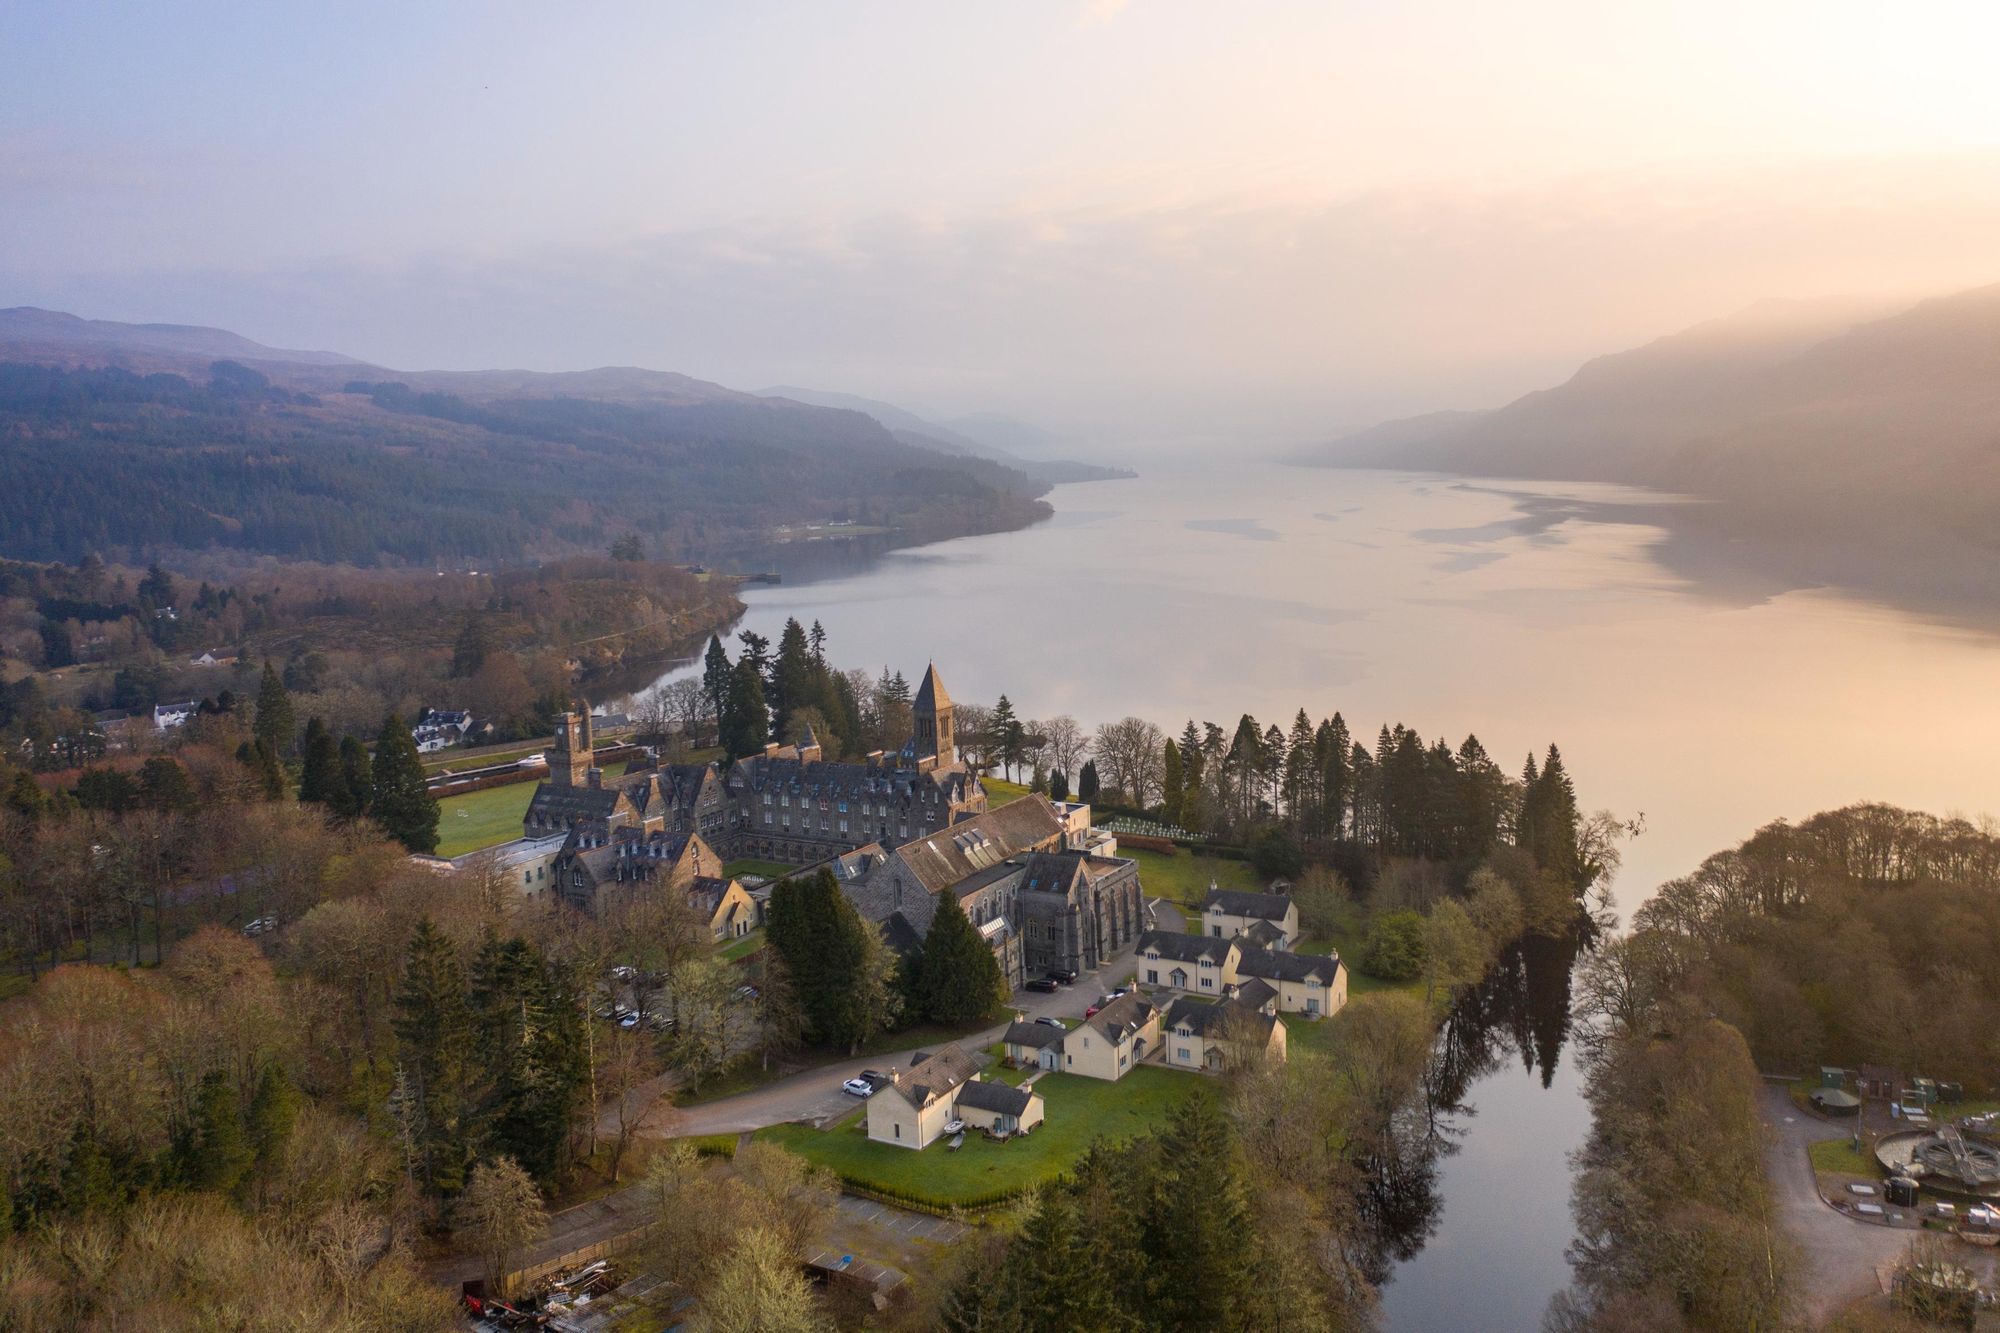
(23,327)
(1865,445)
(143,440)
(913,429)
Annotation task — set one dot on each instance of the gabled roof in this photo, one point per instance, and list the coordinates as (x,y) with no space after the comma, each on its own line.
(1122,1017)
(930,694)
(940,860)
(1053,872)
(1182,948)
(1263,934)
(1034,1036)
(1254,992)
(707,893)
(983,1096)
(1278,965)
(934,1076)
(1205,1018)
(1243,902)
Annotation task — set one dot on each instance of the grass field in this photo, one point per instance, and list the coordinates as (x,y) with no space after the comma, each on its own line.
(1080,1111)
(1185,878)
(744,947)
(1841,1157)
(1000,792)
(482,818)
(752,866)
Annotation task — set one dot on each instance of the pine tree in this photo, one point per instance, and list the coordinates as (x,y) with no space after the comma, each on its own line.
(276,725)
(220,1152)
(958,979)
(791,677)
(475,643)
(1058,785)
(1086,782)
(746,721)
(433,1024)
(1010,737)
(715,671)
(349,798)
(1172,794)
(270,771)
(399,798)
(320,778)
(1197,1220)
(274,1110)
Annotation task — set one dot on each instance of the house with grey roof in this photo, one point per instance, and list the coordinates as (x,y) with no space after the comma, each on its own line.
(1215,1035)
(1302,983)
(1227,913)
(912,1109)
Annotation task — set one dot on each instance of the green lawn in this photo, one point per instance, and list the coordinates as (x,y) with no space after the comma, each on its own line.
(762,869)
(1841,1157)
(482,818)
(1080,1111)
(1185,878)
(1000,792)
(744,947)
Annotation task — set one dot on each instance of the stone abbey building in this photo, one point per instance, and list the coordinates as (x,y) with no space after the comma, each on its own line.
(897,830)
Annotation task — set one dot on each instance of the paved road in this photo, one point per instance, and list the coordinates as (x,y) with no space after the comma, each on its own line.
(815,1095)
(1840,1254)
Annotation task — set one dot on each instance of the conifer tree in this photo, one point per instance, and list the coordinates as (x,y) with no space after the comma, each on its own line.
(958,978)
(715,671)
(270,771)
(1058,785)
(274,1110)
(1010,737)
(746,721)
(220,1152)
(320,778)
(276,725)
(349,798)
(399,797)
(1197,1221)
(1172,793)
(791,677)
(1086,782)
(434,1029)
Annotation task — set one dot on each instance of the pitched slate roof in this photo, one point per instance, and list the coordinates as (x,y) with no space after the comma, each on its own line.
(1254,992)
(934,1076)
(834,780)
(1243,902)
(1181,948)
(983,1096)
(559,806)
(1122,1017)
(1203,1018)
(1279,965)
(1263,934)
(977,842)
(1035,1036)
(1053,872)
(931,693)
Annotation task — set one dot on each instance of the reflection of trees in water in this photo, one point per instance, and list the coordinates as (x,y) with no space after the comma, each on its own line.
(1521,1009)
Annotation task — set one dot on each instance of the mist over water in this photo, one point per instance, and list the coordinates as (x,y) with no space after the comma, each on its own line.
(1524,612)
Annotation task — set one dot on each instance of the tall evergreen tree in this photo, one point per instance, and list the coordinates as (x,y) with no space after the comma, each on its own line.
(791,677)
(1058,785)
(320,779)
(1010,735)
(349,799)
(399,798)
(276,725)
(220,1152)
(1173,795)
(274,1110)
(715,671)
(746,721)
(1197,1221)
(270,770)
(958,979)
(434,1029)
(1086,782)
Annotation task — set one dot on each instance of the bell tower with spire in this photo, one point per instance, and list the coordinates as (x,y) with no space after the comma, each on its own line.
(931,715)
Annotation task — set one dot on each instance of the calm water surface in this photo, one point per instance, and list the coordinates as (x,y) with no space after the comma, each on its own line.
(1525,612)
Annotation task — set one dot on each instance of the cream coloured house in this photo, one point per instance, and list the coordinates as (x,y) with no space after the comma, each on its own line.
(912,1109)
(1112,1041)
(1302,983)
(1212,1037)
(1267,919)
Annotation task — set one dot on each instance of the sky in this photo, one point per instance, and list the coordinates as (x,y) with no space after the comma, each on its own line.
(1138,223)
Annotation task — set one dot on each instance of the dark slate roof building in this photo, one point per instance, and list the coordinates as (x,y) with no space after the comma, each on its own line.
(1277,965)
(934,1074)
(997,1097)
(1246,902)
(1172,944)
(1032,1036)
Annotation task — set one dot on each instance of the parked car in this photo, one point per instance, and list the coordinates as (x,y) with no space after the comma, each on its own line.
(1045,985)
(746,992)
(629,1021)
(661,1022)
(1092,1011)
(876,1078)
(1063,975)
(261,925)
(1052,1022)
(624,973)
(858,1087)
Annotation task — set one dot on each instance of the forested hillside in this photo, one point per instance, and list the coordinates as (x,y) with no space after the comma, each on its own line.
(126,464)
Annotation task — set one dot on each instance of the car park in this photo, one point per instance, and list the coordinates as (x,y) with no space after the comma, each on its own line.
(858,1087)
(1045,985)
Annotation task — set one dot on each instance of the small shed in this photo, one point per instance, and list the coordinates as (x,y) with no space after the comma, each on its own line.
(1832,1076)
(1835,1102)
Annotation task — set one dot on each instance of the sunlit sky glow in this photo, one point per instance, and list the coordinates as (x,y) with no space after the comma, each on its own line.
(1132,221)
